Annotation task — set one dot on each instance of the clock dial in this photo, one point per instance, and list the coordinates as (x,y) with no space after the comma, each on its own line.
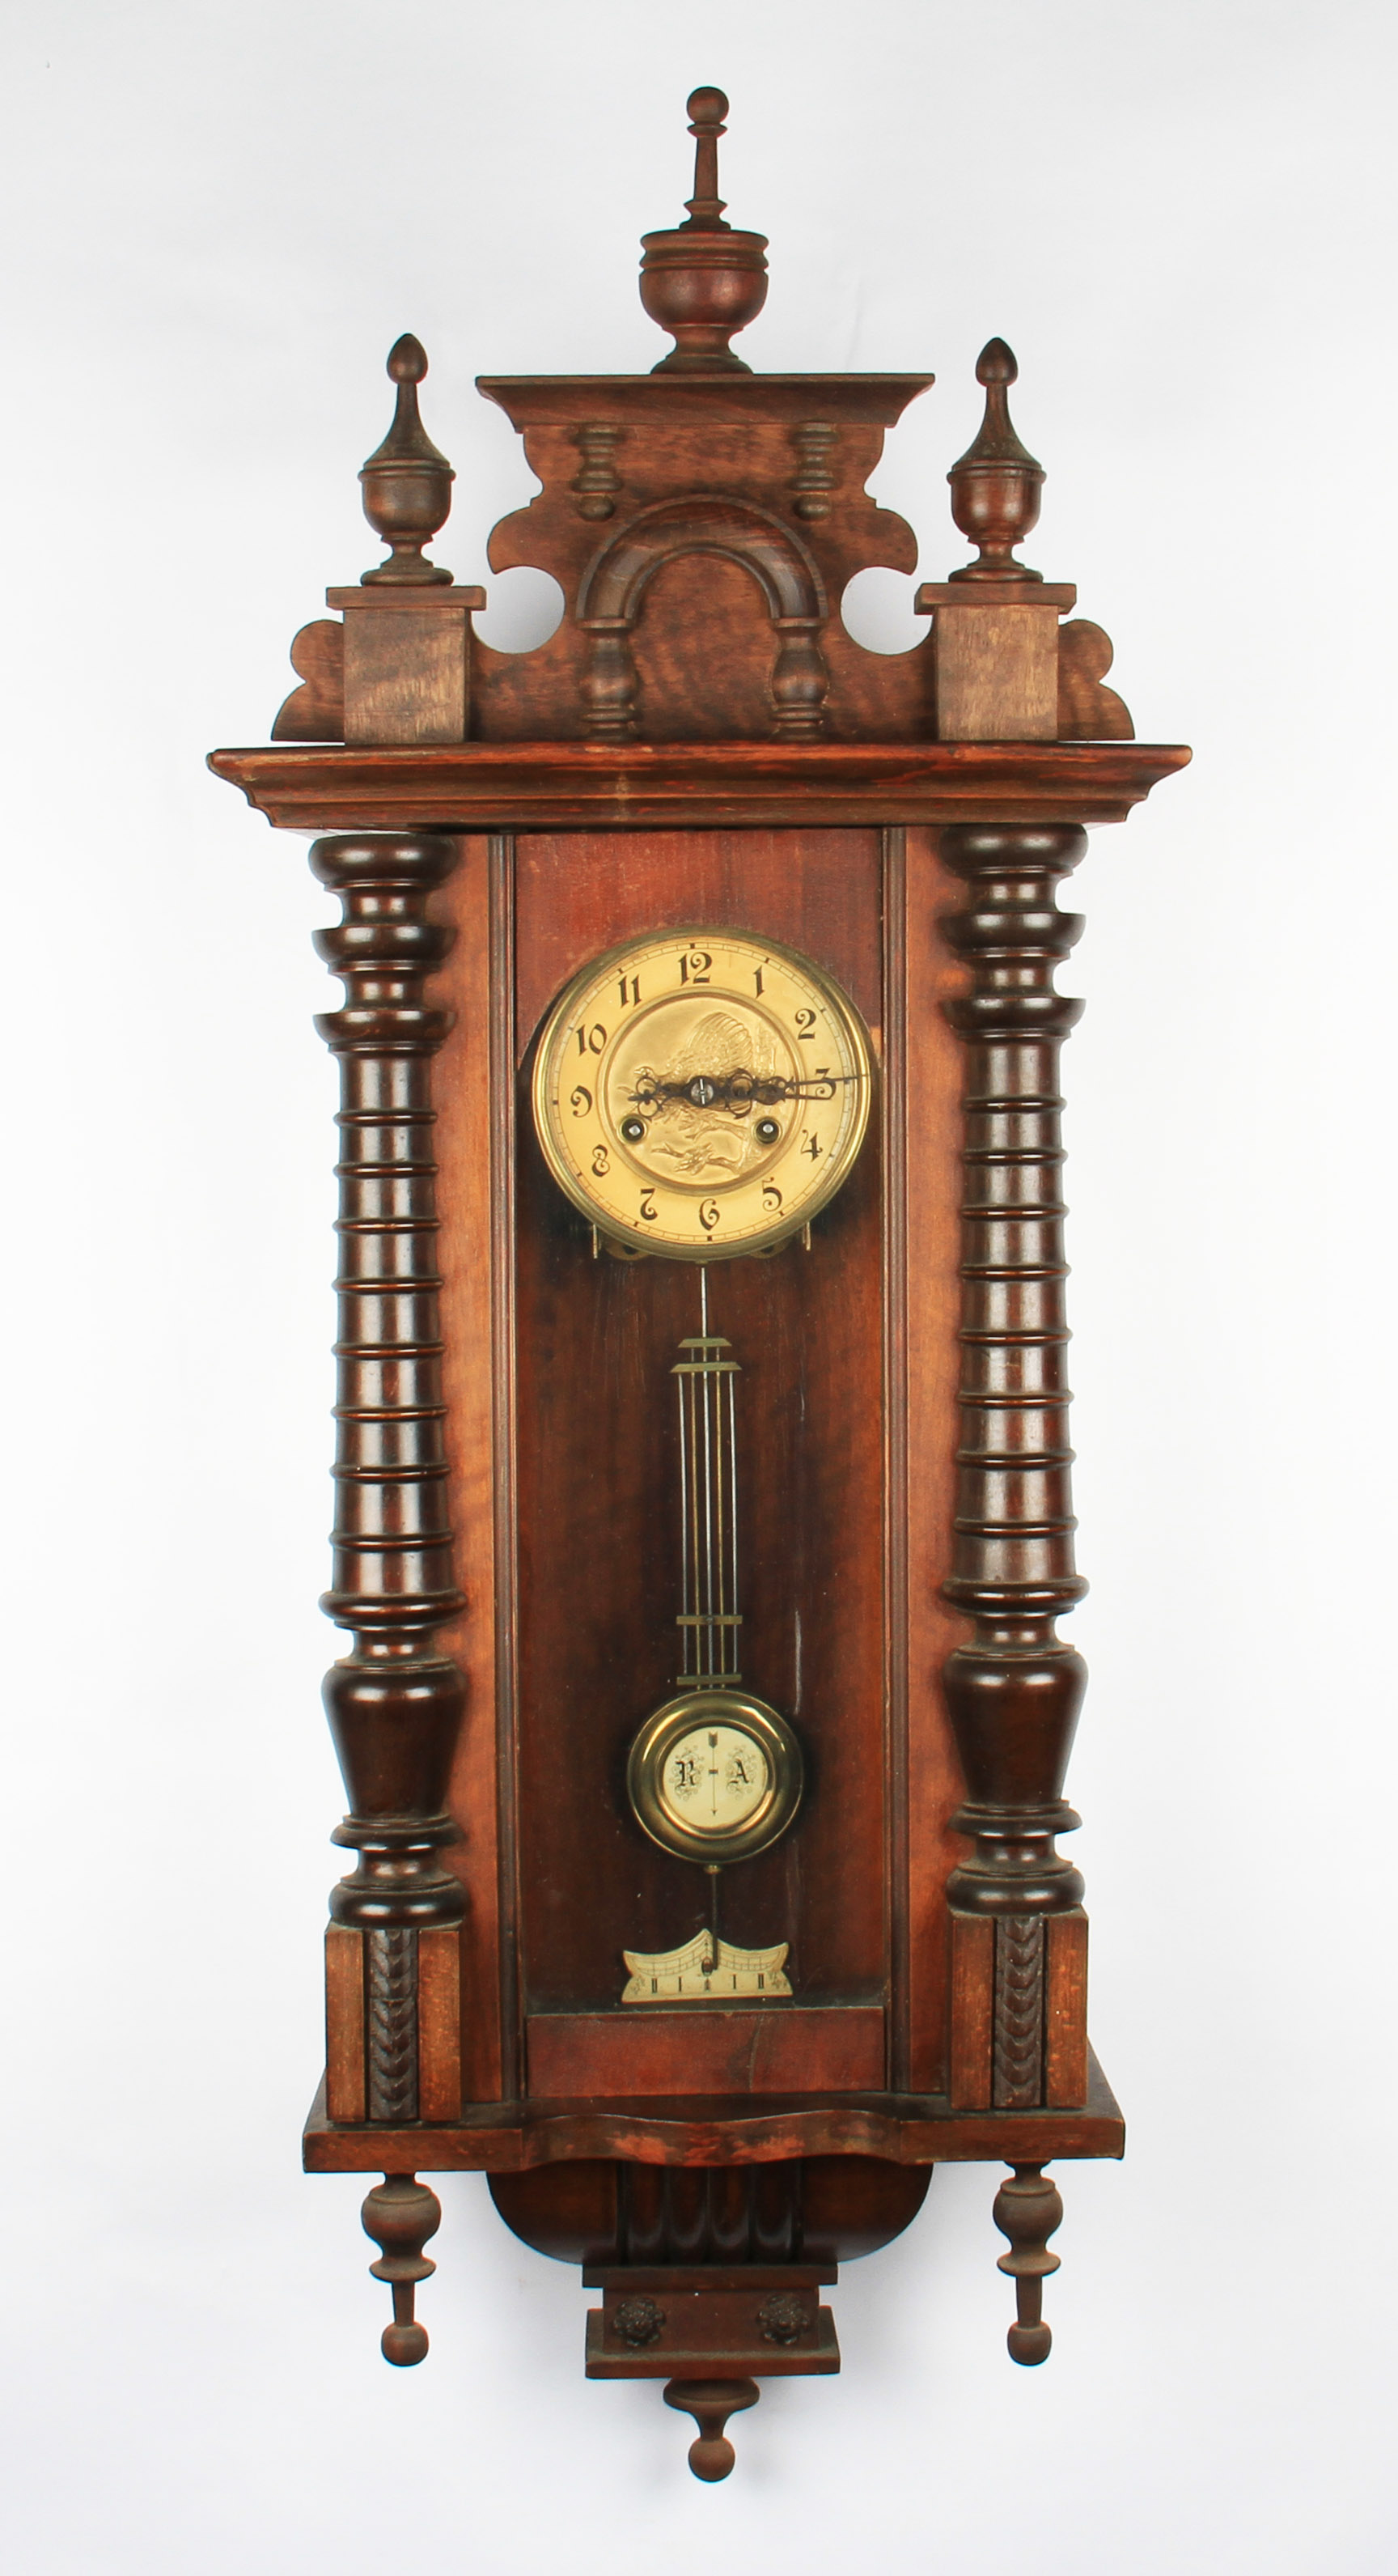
(702,1093)
(714,1776)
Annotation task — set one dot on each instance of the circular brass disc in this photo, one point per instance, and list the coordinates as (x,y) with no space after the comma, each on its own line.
(714,1776)
(702,1094)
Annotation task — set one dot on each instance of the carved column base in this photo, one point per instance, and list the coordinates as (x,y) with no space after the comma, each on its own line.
(367,2050)
(1018,2011)
(1027,2210)
(711,2402)
(400,2214)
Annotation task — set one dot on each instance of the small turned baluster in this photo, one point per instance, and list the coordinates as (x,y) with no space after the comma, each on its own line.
(394,1704)
(407,481)
(995,486)
(597,482)
(400,2214)
(1014,1691)
(1027,2210)
(711,2402)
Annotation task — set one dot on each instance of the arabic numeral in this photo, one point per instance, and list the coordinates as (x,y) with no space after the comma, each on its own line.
(771,1197)
(601,1161)
(580,1101)
(757,978)
(805,1026)
(695,964)
(648,1207)
(591,1041)
(813,1146)
(630,992)
(709,1215)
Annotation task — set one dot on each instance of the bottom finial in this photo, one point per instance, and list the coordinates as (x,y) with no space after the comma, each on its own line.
(1027,2210)
(711,2402)
(400,2213)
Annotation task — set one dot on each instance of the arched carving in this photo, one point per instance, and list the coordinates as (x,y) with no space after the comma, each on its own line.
(703,523)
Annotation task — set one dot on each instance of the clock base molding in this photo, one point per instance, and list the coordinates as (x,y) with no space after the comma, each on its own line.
(900,2128)
(702,1608)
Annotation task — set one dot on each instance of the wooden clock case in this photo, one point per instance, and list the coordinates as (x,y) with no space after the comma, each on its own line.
(701,739)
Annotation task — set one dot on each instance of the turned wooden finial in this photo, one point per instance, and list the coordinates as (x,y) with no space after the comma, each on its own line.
(711,2402)
(995,486)
(703,281)
(400,2214)
(407,481)
(706,109)
(1027,2210)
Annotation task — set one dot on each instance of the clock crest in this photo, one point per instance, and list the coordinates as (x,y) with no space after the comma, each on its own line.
(703,1718)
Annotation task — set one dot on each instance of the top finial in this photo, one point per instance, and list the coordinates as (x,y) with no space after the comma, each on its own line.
(407,481)
(707,109)
(995,486)
(703,281)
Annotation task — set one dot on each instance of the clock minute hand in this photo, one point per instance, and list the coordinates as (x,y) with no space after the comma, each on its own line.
(738,1090)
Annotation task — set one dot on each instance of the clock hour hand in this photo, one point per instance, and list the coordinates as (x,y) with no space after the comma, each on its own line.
(738,1091)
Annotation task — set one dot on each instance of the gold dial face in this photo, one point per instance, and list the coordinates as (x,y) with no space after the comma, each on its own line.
(714,1775)
(702,1093)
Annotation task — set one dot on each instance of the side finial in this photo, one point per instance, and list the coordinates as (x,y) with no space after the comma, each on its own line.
(703,281)
(407,481)
(995,486)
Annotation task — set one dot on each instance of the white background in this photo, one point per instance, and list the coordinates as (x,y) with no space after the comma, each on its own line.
(218,218)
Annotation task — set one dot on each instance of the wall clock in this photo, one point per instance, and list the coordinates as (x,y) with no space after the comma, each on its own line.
(702,1474)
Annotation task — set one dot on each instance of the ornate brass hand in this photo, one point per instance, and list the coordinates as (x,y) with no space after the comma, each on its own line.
(738,1091)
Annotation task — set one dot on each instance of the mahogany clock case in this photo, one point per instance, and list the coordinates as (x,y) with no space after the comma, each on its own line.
(701,740)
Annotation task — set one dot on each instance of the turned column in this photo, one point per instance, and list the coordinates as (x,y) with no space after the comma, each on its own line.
(394,1703)
(1014,1690)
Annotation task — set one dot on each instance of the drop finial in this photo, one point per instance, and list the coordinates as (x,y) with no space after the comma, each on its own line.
(702,281)
(1028,2210)
(711,2402)
(400,2214)
(407,481)
(995,486)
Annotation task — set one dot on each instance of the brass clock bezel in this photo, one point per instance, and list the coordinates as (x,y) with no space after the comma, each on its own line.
(667,1726)
(761,1240)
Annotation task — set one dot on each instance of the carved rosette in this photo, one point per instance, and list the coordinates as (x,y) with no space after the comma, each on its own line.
(1014,1690)
(393,1703)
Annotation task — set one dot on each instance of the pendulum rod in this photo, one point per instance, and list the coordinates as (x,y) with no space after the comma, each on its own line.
(709,1617)
(713,1872)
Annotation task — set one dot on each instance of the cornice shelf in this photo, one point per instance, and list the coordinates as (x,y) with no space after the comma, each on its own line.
(549,786)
